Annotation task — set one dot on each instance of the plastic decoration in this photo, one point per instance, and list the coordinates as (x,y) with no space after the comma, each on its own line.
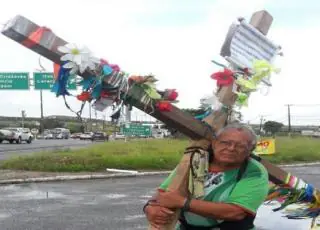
(262,71)
(60,84)
(77,59)
(223,78)
(297,193)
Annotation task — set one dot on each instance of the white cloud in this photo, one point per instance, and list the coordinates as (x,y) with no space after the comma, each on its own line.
(180,57)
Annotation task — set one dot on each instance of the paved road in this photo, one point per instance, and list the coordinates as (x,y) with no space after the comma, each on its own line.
(105,204)
(7,150)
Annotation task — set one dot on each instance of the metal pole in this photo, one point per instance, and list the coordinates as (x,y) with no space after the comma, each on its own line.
(289,120)
(22,117)
(41,109)
(90,122)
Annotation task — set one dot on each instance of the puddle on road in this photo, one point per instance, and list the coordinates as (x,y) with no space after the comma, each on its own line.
(26,192)
(114,196)
(133,217)
(35,195)
(4,215)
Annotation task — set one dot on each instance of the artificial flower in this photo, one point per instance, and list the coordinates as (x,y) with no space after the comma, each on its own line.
(242,99)
(115,67)
(170,94)
(223,78)
(79,59)
(136,78)
(84,96)
(246,85)
(164,106)
(150,89)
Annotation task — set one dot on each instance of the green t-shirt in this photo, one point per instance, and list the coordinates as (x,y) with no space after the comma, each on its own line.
(249,193)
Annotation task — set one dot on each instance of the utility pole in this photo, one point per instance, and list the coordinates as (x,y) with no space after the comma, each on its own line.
(41,109)
(41,70)
(261,121)
(128,114)
(90,121)
(23,115)
(289,119)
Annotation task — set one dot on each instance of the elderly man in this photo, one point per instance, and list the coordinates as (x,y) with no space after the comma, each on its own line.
(235,187)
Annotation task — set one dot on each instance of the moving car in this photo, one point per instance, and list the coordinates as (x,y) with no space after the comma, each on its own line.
(17,135)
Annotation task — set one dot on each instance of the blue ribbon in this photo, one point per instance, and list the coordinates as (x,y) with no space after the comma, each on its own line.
(107,70)
(202,116)
(309,192)
(86,83)
(60,85)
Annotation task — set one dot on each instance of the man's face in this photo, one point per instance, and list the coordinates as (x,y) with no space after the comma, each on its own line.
(231,147)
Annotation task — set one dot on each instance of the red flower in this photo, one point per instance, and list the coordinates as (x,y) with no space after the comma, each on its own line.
(224,78)
(84,96)
(164,106)
(171,94)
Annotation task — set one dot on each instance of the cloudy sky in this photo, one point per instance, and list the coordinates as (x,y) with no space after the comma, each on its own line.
(176,41)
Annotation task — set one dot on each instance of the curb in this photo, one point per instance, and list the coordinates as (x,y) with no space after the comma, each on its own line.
(80,177)
(109,176)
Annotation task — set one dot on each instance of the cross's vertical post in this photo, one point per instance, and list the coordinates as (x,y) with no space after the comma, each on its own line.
(262,21)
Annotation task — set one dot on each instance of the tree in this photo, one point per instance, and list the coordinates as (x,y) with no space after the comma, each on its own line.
(272,127)
(52,123)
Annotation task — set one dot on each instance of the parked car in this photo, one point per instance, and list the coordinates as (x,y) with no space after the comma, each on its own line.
(100,136)
(61,133)
(86,136)
(48,136)
(119,136)
(17,135)
(75,135)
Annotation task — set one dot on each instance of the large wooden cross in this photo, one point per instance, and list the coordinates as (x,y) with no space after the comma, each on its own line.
(201,135)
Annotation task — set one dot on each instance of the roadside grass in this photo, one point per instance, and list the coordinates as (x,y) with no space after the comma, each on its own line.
(146,155)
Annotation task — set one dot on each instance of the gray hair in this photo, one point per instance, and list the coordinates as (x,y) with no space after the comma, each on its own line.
(243,128)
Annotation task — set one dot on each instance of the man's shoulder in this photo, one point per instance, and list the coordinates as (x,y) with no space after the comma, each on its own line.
(255,168)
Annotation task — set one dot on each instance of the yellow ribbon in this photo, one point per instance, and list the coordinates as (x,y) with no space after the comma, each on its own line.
(262,69)
(246,85)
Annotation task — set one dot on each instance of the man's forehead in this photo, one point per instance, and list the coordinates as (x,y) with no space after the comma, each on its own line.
(235,132)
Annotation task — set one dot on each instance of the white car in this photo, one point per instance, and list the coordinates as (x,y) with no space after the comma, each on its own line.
(17,135)
(86,136)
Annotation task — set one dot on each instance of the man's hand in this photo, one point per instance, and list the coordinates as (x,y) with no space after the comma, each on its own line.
(158,215)
(170,199)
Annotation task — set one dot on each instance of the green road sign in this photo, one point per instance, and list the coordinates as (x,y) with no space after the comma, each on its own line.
(136,130)
(45,80)
(14,81)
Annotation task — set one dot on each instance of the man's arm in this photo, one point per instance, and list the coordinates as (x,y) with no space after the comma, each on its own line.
(163,186)
(220,211)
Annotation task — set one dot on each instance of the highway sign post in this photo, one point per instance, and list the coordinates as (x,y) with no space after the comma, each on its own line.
(136,130)
(14,81)
(45,81)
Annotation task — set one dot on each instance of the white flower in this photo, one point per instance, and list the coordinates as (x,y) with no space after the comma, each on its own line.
(79,59)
